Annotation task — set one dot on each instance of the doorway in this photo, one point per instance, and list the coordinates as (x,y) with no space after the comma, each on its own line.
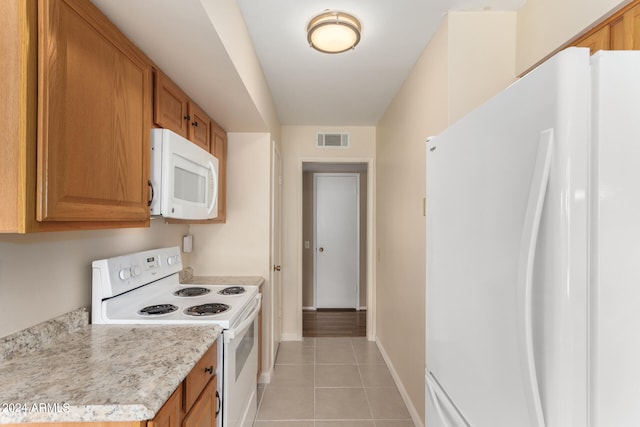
(335,313)
(337,238)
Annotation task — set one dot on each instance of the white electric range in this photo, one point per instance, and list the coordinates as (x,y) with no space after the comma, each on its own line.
(144,288)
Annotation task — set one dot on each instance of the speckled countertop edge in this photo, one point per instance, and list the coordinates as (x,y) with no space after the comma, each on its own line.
(101,373)
(222,280)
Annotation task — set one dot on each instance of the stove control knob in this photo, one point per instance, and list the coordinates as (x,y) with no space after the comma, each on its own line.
(125,274)
(173,260)
(135,270)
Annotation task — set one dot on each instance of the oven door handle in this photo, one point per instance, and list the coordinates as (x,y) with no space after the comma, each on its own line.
(244,324)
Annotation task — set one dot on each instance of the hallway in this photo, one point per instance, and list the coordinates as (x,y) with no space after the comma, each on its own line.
(331,382)
(334,323)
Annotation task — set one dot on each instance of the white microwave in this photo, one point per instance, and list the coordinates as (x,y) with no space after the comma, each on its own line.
(184,178)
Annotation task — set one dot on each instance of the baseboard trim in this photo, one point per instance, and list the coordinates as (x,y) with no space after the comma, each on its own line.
(265,377)
(290,337)
(413,412)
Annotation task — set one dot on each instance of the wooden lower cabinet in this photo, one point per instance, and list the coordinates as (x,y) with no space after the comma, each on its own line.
(195,403)
(203,412)
(170,415)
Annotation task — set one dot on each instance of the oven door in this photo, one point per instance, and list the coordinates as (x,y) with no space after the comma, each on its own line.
(239,400)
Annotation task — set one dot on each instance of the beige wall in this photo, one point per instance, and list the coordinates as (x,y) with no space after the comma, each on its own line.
(469,59)
(482,48)
(545,25)
(45,275)
(420,109)
(298,145)
(242,246)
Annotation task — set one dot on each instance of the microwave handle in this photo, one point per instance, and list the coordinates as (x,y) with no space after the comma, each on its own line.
(153,194)
(212,171)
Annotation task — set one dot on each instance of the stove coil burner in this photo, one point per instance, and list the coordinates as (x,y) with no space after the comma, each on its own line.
(232,290)
(208,309)
(191,292)
(156,310)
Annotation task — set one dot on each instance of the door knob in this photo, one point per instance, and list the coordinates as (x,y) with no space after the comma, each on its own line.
(276,268)
(321,249)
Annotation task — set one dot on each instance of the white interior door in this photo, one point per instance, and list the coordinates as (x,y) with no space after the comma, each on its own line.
(337,239)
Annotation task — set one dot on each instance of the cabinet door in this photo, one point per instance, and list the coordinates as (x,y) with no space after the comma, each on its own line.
(600,40)
(616,34)
(94,117)
(199,127)
(169,414)
(17,112)
(203,412)
(170,106)
(632,29)
(219,149)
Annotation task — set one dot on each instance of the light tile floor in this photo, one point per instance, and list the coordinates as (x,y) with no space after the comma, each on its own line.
(331,382)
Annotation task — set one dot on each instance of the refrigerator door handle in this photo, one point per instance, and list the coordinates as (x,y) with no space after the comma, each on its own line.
(526,260)
(438,396)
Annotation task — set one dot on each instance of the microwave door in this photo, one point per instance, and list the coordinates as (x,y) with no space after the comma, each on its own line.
(188,189)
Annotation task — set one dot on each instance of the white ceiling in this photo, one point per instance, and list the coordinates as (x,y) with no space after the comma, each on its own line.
(355,87)
(308,87)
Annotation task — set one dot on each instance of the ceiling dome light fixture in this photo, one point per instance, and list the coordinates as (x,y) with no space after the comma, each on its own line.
(333,32)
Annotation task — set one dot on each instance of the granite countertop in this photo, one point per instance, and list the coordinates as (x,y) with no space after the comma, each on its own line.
(228,281)
(186,276)
(101,373)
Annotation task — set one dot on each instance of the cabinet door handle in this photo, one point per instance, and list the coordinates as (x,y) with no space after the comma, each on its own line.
(187,117)
(209,370)
(194,124)
(218,403)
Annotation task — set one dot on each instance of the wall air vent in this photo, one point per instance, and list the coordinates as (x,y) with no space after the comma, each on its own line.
(332,139)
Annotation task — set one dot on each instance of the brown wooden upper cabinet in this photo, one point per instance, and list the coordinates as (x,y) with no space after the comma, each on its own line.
(78,111)
(219,149)
(175,111)
(94,104)
(170,106)
(621,31)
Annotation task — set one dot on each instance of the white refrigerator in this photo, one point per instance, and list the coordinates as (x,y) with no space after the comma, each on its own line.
(533,252)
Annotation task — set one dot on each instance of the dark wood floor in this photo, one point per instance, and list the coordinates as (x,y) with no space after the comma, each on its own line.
(334,323)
